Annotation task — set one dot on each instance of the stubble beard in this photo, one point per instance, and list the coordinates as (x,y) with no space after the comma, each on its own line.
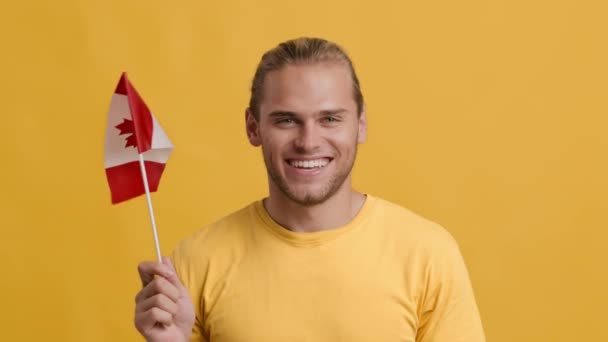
(311,199)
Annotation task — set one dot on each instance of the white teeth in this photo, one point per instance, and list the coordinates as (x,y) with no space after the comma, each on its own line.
(308,164)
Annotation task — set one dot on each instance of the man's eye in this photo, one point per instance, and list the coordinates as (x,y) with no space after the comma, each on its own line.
(285,121)
(330,119)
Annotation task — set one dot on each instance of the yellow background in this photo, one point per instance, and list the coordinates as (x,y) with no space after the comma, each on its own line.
(489,117)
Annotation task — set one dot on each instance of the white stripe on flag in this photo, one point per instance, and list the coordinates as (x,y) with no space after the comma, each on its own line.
(115,151)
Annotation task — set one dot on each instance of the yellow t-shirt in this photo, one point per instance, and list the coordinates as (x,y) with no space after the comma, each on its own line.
(389,275)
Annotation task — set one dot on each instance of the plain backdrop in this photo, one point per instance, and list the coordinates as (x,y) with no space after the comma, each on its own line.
(488,117)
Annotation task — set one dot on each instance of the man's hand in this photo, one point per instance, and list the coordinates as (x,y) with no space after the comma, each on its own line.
(163,310)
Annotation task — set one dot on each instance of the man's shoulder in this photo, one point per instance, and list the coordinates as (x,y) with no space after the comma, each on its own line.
(219,235)
(407,225)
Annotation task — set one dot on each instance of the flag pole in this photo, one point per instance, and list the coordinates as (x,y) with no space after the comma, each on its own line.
(142,167)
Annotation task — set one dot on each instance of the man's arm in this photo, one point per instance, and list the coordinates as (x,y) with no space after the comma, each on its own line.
(448,312)
(182,259)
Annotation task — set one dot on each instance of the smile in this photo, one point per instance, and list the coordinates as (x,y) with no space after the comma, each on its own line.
(309,164)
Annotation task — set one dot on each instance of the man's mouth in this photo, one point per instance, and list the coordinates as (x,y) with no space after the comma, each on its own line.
(309,164)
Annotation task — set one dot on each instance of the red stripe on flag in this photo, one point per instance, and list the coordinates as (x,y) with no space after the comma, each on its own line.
(126,182)
(142,118)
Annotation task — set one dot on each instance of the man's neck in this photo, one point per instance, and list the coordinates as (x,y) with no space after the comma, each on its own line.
(336,211)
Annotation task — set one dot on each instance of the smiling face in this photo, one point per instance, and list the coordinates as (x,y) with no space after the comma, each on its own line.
(309,129)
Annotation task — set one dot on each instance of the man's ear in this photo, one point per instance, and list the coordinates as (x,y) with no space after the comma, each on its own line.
(362,129)
(252,127)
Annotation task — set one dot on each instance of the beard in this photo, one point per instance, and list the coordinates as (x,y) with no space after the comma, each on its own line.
(310,198)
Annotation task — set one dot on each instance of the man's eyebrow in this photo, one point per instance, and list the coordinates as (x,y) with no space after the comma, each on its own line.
(333,111)
(281,113)
(284,113)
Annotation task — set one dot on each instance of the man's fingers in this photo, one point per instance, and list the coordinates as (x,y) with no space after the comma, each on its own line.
(158,301)
(158,286)
(146,320)
(148,269)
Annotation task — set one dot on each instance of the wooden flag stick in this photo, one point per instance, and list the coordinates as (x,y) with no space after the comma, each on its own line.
(142,167)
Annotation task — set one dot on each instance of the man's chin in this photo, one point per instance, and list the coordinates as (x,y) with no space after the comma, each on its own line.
(309,201)
(304,194)
(307,197)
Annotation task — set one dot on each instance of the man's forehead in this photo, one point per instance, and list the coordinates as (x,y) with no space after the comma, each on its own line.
(303,70)
(319,86)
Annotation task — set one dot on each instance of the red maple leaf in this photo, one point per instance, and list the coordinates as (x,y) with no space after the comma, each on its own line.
(127,127)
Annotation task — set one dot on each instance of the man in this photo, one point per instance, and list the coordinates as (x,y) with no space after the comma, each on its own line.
(315,260)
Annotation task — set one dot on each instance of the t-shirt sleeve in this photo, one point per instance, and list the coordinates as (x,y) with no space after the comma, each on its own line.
(183,267)
(448,312)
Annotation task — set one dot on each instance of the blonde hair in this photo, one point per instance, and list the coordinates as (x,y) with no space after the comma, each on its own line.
(299,51)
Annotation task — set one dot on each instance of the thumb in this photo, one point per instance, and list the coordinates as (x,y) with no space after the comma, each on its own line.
(173,278)
(168,262)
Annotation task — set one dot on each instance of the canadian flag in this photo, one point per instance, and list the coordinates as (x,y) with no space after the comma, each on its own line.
(132,130)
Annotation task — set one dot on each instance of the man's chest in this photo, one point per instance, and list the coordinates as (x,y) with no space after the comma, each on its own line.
(302,299)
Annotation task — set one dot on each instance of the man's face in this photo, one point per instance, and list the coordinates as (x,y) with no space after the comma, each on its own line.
(309,130)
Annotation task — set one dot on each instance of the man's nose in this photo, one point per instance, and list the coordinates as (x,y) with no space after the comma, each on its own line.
(308,138)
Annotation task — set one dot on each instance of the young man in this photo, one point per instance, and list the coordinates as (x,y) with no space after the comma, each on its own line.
(315,260)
